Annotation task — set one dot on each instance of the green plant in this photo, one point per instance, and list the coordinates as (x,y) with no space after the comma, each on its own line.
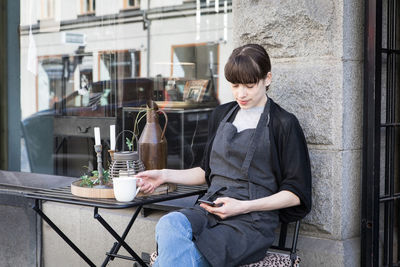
(92,178)
(129,143)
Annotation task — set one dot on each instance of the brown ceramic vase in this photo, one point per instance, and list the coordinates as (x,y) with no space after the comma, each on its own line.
(152,142)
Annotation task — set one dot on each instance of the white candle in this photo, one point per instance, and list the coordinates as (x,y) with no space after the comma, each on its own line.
(97,136)
(112,137)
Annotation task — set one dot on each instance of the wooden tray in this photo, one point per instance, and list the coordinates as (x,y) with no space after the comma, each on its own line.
(91,192)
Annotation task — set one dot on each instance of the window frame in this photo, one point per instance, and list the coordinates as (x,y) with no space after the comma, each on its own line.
(91,10)
(47,12)
(194,45)
(127,6)
(102,52)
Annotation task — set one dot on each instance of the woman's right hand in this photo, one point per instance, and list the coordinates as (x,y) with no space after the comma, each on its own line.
(151,179)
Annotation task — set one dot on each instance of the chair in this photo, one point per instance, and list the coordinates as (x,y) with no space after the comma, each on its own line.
(38,134)
(274,258)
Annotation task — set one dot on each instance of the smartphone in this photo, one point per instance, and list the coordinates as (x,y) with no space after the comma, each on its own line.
(212,204)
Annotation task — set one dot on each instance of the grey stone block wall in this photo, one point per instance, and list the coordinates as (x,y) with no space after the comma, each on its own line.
(316,48)
(19,231)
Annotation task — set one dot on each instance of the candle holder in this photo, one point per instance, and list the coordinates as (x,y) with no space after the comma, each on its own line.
(94,185)
(98,149)
(125,162)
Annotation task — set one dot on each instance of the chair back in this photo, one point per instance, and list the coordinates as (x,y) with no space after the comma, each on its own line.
(37,131)
(282,241)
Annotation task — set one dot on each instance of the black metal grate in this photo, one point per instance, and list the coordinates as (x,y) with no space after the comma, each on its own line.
(381,154)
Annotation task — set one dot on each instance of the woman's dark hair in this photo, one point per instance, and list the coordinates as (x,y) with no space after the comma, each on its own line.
(247,64)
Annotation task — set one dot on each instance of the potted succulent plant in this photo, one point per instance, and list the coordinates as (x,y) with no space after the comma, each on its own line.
(92,184)
(91,179)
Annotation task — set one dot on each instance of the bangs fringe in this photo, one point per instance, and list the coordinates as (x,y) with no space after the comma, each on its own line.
(242,69)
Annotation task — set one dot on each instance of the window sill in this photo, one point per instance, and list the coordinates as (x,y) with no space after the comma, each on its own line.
(91,14)
(127,9)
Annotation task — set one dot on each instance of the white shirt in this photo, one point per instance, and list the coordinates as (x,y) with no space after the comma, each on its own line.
(247,118)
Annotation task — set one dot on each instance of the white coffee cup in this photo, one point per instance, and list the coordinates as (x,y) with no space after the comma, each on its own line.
(125,188)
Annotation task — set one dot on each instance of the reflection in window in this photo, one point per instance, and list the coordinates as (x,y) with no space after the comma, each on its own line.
(65,82)
(92,71)
(83,75)
(131,3)
(196,62)
(116,65)
(47,9)
(49,82)
(88,6)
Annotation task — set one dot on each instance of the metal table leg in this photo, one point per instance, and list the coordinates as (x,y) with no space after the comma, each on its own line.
(121,240)
(61,234)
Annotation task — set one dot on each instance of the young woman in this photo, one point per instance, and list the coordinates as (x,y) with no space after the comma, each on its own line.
(257,167)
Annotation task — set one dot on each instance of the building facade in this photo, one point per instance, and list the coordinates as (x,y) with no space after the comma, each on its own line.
(90,49)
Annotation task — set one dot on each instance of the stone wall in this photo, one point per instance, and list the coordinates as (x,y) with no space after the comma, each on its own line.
(316,48)
(20,230)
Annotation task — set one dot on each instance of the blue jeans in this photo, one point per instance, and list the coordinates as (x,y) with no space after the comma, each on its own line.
(175,245)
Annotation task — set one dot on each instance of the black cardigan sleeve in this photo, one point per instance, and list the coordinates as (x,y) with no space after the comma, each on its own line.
(294,167)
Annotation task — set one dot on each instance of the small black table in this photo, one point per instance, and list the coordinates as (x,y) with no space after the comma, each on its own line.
(63,195)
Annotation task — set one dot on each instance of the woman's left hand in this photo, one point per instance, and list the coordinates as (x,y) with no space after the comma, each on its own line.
(230,207)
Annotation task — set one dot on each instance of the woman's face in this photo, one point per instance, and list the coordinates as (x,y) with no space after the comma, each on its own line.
(251,95)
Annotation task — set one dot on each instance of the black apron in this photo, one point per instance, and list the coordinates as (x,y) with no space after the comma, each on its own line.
(236,160)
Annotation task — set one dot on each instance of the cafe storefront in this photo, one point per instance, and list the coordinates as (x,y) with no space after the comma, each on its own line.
(87,64)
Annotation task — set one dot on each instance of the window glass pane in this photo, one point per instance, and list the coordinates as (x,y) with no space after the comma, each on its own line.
(88,6)
(119,64)
(85,6)
(102,69)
